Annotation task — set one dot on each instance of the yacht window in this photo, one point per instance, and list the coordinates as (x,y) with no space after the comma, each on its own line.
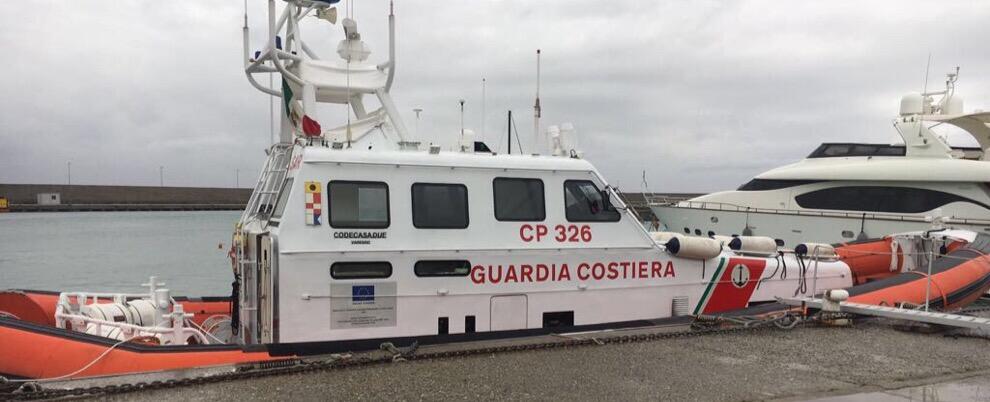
(283,198)
(439,206)
(358,204)
(879,199)
(442,268)
(361,270)
(891,151)
(837,150)
(519,199)
(771,184)
(583,203)
(830,150)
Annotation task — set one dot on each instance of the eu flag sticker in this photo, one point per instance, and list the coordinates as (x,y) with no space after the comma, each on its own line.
(363,294)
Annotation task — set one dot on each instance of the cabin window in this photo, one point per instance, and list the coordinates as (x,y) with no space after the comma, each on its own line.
(583,203)
(283,198)
(519,199)
(358,204)
(439,206)
(879,199)
(361,270)
(442,268)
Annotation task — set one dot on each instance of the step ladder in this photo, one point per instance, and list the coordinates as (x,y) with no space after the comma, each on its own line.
(263,199)
(930,317)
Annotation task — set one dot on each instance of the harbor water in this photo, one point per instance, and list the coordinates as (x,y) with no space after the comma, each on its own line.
(117,251)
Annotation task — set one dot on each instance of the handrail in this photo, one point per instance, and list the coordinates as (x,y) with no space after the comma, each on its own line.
(724,206)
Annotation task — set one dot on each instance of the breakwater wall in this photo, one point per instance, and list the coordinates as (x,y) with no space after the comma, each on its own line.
(25,198)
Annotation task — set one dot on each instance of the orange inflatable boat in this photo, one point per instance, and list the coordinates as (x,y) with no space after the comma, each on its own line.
(874,259)
(958,277)
(895,275)
(32,346)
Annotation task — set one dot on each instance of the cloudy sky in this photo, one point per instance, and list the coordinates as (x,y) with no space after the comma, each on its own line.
(701,95)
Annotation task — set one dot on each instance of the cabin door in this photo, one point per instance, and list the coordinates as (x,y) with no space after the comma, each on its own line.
(265,288)
(509,312)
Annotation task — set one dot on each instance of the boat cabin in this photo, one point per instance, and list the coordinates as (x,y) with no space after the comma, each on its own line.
(439,234)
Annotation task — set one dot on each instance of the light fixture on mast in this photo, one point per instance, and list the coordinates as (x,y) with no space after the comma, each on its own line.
(328,14)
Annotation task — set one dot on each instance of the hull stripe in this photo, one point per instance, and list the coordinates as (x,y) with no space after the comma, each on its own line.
(711,285)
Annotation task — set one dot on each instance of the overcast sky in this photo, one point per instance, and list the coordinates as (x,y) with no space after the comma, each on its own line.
(702,95)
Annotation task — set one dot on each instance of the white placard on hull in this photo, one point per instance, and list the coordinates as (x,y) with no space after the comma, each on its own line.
(362,305)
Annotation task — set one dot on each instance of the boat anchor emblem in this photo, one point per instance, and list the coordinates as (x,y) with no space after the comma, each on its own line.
(739,275)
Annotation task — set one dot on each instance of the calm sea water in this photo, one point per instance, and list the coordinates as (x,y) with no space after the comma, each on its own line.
(117,251)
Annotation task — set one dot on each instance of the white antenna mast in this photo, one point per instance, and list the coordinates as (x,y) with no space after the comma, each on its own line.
(924,96)
(536,106)
(271,98)
(271,111)
(483,116)
(462,118)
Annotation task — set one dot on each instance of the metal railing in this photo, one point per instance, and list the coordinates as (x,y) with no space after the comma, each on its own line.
(724,206)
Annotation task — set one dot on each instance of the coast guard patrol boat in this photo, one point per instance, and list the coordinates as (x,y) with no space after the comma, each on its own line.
(359,235)
(360,231)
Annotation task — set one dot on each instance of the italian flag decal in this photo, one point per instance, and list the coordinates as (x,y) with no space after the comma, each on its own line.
(732,285)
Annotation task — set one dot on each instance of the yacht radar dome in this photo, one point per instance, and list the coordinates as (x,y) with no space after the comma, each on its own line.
(912,103)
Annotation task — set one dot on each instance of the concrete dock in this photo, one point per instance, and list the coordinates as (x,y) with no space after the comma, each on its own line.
(872,359)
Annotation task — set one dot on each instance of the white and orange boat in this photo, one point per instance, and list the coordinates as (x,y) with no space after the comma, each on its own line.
(360,235)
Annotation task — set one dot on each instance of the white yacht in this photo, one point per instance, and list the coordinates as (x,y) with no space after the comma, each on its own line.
(850,191)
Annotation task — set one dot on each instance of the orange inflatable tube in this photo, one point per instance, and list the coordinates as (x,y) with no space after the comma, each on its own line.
(955,282)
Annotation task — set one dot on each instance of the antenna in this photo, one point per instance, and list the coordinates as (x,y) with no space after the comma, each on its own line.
(483,109)
(928,68)
(536,106)
(508,125)
(950,82)
(462,118)
(417,111)
(271,112)
(516,129)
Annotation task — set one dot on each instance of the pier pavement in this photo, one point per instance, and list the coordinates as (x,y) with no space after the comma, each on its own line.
(872,359)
